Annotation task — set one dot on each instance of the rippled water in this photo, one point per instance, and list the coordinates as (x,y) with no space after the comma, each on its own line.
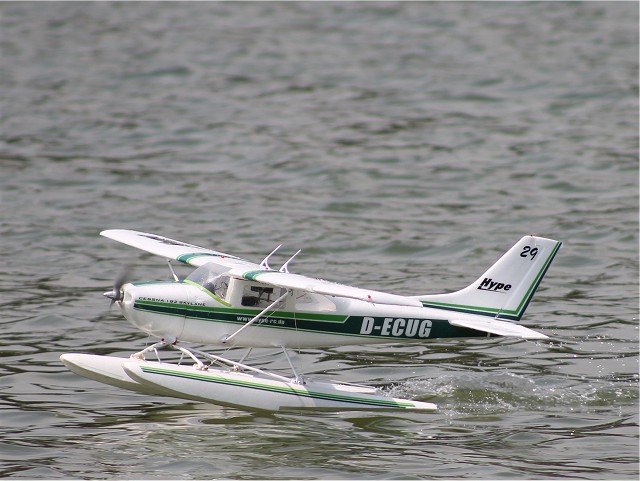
(402,146)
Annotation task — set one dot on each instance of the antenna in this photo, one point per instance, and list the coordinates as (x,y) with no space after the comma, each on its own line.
(285,266)
(265,261)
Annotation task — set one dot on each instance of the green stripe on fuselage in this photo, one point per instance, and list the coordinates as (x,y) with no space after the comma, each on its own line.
(197,312)
(377,327)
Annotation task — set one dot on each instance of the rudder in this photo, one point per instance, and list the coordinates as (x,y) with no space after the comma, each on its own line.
(506,288)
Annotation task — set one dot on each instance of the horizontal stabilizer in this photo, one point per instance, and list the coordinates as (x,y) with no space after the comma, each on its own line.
(501,328)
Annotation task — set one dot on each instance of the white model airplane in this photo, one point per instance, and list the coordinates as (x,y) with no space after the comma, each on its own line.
(228,301)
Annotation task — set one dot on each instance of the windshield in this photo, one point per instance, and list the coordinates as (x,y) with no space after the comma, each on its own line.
(212,277)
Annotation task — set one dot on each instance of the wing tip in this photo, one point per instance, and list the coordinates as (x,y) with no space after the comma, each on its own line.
(110,233)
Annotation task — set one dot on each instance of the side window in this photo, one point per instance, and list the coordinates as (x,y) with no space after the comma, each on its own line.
(306,301)
(258,296)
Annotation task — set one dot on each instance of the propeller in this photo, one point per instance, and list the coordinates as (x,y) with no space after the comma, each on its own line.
(116,294)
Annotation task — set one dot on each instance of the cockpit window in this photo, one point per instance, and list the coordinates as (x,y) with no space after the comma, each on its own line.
(213,278)
(218,285)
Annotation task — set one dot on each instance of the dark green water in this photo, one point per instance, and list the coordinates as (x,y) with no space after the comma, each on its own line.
(402,146)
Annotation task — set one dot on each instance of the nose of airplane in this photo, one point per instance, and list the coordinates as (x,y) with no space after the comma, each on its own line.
(115,294)
(154,308)
(125,297)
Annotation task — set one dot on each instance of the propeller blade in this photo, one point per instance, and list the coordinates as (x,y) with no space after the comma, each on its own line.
(116,294)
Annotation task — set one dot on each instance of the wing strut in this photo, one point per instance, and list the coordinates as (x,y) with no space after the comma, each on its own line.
(172,271)
(226,339)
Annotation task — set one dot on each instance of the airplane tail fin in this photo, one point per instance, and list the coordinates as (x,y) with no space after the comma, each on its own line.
(506,288)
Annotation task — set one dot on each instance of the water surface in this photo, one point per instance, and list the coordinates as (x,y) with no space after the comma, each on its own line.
(402,146)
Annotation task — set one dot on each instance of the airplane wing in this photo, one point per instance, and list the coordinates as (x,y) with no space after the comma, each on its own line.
(319,286)
(243,269)
(501,328)
(173,249)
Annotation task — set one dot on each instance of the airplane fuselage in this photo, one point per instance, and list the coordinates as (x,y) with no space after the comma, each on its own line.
(188,312)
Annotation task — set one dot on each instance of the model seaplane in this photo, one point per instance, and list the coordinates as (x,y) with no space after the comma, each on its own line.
(231,302)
